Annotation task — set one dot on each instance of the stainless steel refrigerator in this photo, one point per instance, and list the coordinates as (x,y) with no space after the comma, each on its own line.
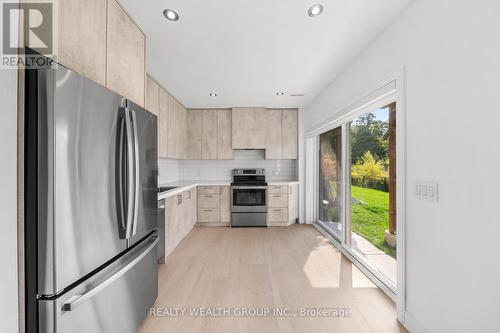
(91,206)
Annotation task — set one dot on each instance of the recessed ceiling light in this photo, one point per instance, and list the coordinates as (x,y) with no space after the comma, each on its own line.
(171,15)
(280,93)
(212,94)
(315,10)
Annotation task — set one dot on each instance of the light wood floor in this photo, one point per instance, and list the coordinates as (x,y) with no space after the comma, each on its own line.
(287,267)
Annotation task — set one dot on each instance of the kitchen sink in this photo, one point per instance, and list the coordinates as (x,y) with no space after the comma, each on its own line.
(166,188)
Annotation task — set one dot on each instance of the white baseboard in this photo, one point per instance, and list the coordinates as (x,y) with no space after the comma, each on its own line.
(412,325)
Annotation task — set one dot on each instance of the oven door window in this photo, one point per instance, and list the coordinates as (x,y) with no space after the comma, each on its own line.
(249,197)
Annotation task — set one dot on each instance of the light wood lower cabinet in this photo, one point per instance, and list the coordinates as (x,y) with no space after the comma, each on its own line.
(282,205)
(225,204)
(180,218)
(214,208)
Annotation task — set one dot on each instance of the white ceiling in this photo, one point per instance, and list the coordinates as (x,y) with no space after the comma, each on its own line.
(246,51)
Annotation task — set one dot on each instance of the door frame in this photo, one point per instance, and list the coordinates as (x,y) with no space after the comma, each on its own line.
(392,89)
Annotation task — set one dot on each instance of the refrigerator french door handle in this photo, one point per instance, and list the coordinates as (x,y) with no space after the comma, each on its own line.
(137,179)
(121,185)
(75,301)
(130,173)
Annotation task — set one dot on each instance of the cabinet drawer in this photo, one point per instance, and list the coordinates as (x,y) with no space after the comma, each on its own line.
(278,200)
(208,215)
(277,214)
(208,201)
(276,189)
(208,190)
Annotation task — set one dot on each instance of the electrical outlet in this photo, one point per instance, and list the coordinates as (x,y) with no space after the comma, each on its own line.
(426,190)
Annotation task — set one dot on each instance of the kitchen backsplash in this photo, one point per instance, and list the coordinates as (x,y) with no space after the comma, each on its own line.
(168,171)
(172,170)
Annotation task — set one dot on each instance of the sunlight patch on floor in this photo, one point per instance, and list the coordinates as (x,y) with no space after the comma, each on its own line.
(323,255)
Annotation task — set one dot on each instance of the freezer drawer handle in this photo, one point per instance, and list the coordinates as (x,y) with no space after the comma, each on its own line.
(77,300)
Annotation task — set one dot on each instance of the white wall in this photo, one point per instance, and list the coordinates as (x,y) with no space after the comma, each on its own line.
(8,200)
(451,51)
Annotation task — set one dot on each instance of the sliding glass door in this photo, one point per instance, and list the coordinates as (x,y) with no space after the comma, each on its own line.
(330,181)
(371,189)
(357,188)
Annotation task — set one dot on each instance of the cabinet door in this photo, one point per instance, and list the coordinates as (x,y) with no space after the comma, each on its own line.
(152,96)
(278,200)
(209,135)
(293,202)
(273,123)
(241,126)
(194,134)
(193,208)
(163,124)
(290,141)
(125,62)
(177,124)
(225,203)
(209,200)
(279,215)
(184,219)
(82,37)
(184,132)
(224,142)
(249,128)
(171,128)
(170,223)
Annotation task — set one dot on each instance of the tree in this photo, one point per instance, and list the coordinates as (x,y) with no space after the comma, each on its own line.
(368,170)
(368,134)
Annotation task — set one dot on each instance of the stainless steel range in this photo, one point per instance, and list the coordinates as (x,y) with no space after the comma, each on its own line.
(248,193)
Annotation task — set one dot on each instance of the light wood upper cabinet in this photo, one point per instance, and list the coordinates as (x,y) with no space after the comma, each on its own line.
(273,123)
(126,50)
(249,130)
(163,118)
(224,135)
(209,135)
(171,147)
(182,131)
(193,121)
(289,134)
(152,96)
(82,37)
(177,129)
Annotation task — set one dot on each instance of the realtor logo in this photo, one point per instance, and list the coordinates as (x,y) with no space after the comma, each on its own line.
(30,24)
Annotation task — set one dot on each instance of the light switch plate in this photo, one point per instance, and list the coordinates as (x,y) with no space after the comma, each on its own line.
(425,190)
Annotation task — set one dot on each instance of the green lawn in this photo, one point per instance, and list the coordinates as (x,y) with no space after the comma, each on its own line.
(370,218)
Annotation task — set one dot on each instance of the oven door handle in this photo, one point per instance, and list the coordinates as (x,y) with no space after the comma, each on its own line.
(249,187)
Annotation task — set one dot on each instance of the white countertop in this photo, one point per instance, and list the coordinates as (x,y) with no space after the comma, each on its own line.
(183,185)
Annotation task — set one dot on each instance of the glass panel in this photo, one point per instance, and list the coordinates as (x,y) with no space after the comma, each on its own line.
(249,197)
(330,181)
(370,159)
